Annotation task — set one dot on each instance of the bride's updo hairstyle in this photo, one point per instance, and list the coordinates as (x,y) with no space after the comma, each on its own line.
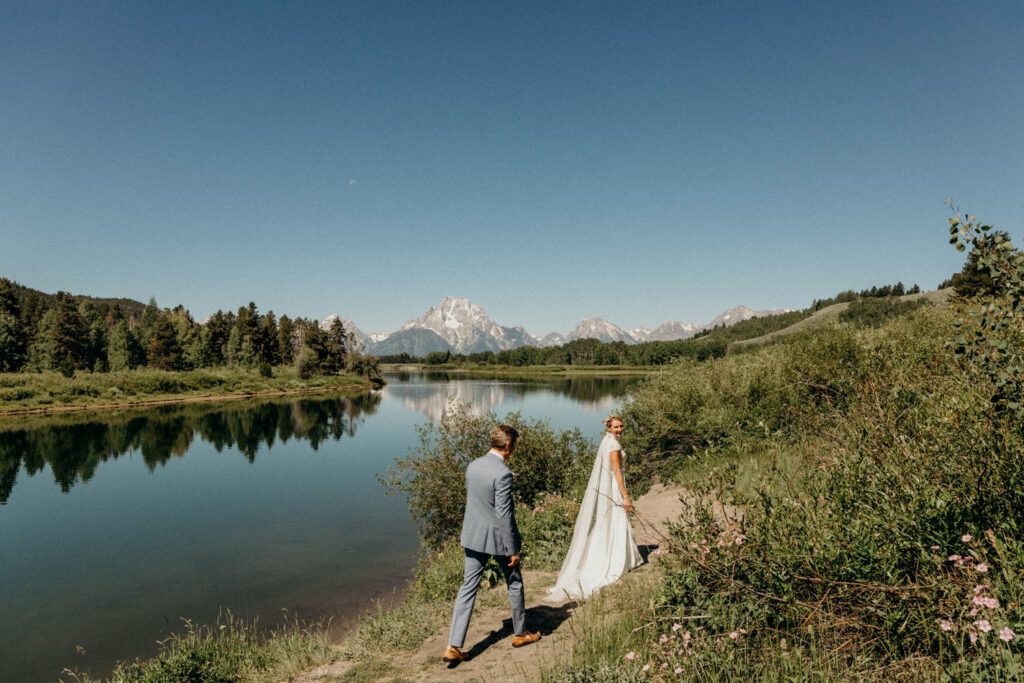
(612,417)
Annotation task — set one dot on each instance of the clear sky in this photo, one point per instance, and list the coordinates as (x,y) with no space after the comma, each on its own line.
(640,162)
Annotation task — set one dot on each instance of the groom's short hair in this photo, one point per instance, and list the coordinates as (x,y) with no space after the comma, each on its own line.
(503,435)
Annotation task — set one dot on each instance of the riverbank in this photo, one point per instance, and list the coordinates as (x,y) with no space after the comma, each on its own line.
(51,392)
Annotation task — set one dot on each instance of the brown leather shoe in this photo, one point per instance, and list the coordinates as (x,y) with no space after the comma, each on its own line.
(453,654)
(525,639)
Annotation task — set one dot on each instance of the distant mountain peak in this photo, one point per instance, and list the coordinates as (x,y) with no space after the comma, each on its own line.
(467,328)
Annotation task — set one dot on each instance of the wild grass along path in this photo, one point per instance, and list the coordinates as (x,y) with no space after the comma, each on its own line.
(489,640)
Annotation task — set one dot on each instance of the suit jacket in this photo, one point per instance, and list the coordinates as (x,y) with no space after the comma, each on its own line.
(489,524)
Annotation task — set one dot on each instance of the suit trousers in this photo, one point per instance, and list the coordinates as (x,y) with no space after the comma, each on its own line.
(474,569)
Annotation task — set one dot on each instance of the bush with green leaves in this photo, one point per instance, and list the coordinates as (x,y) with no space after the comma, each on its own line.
(433,475)
(991,337)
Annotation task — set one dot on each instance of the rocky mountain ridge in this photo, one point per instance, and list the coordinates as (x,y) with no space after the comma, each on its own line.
(460,326)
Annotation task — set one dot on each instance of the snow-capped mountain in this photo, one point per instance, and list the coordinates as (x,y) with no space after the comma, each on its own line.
(673,330)
(640,334)
(553,339)
(466,328)
(739,314)
(459,326)
(598,328)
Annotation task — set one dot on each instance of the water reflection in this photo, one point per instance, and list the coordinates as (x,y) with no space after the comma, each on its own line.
(74,446)
(432,393)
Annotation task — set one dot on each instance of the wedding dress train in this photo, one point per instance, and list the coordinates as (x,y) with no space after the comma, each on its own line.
(602,547)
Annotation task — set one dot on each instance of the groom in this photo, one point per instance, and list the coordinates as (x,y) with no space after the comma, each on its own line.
(489,528)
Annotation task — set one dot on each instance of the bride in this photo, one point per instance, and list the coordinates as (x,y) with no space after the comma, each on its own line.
(602,547)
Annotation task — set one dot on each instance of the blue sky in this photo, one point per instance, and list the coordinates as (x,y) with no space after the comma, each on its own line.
(640,162)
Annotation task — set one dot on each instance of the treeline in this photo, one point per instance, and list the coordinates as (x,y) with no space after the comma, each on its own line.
(577,352)
(68,334)
(898,289)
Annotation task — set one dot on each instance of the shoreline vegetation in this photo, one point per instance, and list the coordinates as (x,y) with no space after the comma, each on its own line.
(874,472)
(31,393)
(519,371)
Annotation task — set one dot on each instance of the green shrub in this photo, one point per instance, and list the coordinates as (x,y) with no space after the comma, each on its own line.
(433,476)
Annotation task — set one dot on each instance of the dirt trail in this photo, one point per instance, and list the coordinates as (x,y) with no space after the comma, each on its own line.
(489,640)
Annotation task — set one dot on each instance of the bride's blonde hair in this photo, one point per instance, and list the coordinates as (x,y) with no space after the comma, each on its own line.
(612,417)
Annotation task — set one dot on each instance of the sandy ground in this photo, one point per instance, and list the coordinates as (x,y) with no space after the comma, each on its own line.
(489,640)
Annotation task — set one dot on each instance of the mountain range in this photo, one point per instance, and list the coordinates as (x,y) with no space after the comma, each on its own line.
(459,326)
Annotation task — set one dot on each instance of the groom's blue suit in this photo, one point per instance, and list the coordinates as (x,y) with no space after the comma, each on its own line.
(488,528)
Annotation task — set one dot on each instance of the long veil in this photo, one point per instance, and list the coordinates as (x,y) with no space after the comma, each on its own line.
(587,562)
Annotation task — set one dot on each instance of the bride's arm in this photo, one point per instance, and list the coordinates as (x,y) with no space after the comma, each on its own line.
(615,457)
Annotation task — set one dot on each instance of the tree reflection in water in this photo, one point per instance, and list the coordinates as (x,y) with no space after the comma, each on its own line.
(430,392)
(75,445)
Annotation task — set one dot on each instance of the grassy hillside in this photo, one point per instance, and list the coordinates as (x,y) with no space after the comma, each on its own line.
(830,316)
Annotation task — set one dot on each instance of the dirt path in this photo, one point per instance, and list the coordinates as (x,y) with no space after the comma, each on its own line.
(489,640)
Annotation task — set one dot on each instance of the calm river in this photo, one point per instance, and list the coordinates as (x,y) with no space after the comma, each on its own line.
(114,527)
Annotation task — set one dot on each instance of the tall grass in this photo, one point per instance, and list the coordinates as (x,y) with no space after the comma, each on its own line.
(230,650)
(881,510)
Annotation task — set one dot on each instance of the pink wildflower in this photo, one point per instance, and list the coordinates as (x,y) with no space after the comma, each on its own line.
(974,636)
(983,625)
(954,558)
(1006,634)
(946,625)
(982,567)
(663,639)
(646,667)
(980,587)
(966,538)
(687,637)
(734,635)
(935,547)
(974,610)
(664,665)
(678,670)
(676,627)
(739,539)
(631,655)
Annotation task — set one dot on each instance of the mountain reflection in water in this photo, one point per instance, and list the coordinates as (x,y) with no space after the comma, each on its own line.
(75,445)
(432,393)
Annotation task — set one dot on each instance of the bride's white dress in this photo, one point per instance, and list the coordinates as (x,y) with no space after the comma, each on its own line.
(602,547)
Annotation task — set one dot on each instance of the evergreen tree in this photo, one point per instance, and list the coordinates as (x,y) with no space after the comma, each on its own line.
(232,348)
(150,314)
(163,351)
(267,343)
(123,348)
(219,327)
(62,340)
(335,346)
(899,289)
(198,348)
(285,329)
(13,342)
(247,356)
